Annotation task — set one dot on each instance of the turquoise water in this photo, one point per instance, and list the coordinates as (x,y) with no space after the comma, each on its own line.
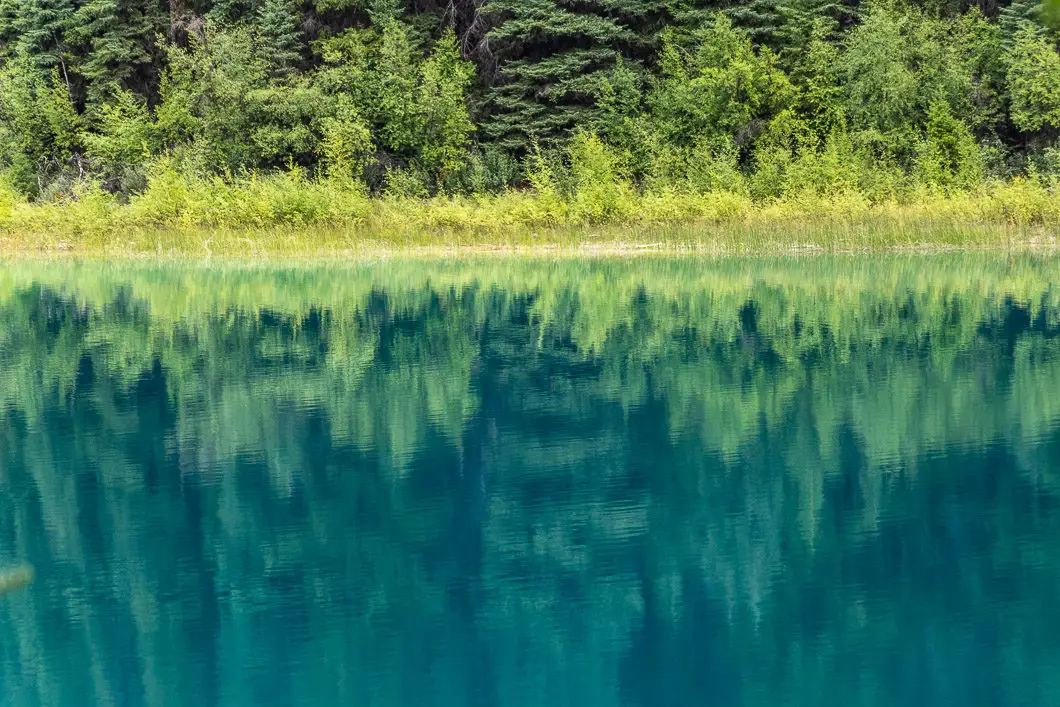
(824,481)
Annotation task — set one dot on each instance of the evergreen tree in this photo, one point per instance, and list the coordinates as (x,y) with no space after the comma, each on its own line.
(1019,15)
(800,16)
(118,39)
(36,29)
(817,79)
(552,59)
(280,33)
(9,13)
(414,102)
(763,20)
(682,17)
(228,11)
(786,26)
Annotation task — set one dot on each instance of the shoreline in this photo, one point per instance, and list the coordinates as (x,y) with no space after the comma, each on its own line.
(794,237)
(607,249)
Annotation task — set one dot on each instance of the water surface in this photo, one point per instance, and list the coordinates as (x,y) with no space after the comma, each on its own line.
(820,481)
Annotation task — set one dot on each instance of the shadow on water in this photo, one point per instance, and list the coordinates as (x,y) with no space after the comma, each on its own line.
(648,482)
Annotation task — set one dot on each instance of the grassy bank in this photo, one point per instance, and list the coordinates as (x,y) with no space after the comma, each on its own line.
(284,214)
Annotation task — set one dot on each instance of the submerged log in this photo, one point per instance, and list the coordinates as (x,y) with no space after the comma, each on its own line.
(15,578)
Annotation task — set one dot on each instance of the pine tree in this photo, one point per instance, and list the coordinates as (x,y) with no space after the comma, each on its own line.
(1034,81)
(38,122)
(551,59)
(279,30)
(37,28)
(785,26)
(9,12)
(380,11)
(1019,15)
(118,37)
(805,13)
(229,11)
(763,20)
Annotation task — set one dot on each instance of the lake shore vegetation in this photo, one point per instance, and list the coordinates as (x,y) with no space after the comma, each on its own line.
(291,126)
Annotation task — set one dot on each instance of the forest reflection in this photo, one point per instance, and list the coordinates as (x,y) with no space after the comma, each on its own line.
(643,482)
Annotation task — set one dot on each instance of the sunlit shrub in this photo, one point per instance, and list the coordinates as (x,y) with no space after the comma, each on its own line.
(601,190)
(948,156)
(1022,202)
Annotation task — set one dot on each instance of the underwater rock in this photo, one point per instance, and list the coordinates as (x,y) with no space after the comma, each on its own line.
(15,578)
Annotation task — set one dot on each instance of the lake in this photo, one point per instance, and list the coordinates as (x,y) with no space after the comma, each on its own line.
(827,480)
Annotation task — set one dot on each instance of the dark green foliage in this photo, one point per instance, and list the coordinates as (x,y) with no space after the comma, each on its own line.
(118,42)
(486,171)
(550,61)
(38,124)
(1017,16)
(900,65)
(763,20)
(1034,81)
(414,101)
(36,28)
(280,35)
(210,96)
(1051,13)
(816,78)
(450,95)
(122,143)
(552,57)
(786,26)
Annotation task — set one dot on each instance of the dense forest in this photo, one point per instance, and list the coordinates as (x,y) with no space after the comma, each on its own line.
(424,97)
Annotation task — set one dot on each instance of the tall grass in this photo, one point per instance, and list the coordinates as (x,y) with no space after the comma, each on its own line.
(286,213)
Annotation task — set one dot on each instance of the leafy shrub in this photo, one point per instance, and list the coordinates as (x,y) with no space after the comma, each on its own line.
(39,126)
(1034,82)
(715,83)
(601,190)
(122,143)
(487,171)
(406,183)
(948,156)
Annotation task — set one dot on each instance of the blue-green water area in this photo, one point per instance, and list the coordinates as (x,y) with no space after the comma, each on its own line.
(826,480)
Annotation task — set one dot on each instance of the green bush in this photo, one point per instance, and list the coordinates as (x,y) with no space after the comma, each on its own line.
(345,146)
(406,183)
(415,104)
(122,143)
(487,171)
(1034,82)
(949,156)
(601,190)
(253,201)
(712,165)
(714,83)
(39,125)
